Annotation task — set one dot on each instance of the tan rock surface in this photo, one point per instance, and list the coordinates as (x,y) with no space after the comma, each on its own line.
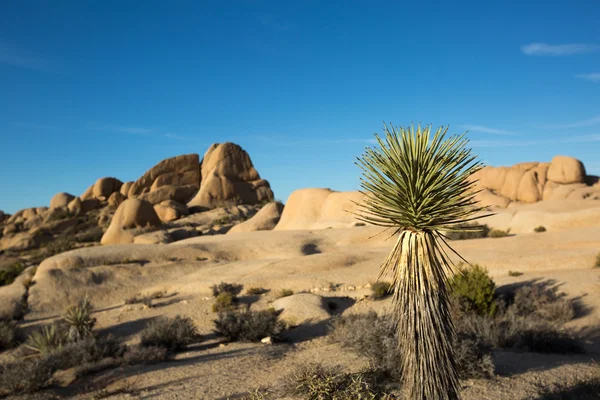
(566,170)
(115,199)
(169,210)
(177,171)
(266,219)
(132,213)
(104,187)
(301,308)
(61,200)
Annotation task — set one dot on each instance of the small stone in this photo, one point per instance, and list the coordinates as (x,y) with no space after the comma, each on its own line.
(267,340)
(222,345)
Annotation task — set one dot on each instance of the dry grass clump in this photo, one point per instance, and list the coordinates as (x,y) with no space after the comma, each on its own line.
(171,333)
(144,299)
(468,231)
(256,291)
(474,289)
(539,229)
(25,376)
(380,290)
(225,302)
(224,287)
(145,355)
(248,326)
(284,293)
(514,273)
(8,334)
(584,390)
(597,263)
(498,233)
(10,273)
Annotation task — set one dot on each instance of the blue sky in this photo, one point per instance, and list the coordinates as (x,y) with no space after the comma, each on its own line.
(109,88)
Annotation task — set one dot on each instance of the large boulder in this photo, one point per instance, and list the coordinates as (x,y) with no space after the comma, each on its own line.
(175,172)
(179,194)
(104,187)
(61,200)
(319,209)
(170,210)
(131,214)
(115,199)
(75,206)
(566,170)
(125,188)
(265,219)
(301,308)
(228,178)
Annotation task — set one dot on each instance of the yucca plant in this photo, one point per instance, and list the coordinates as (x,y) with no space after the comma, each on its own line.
(417,185)
(80,320)
(49,338)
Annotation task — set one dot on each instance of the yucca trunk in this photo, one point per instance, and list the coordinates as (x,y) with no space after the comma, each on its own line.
(425,330)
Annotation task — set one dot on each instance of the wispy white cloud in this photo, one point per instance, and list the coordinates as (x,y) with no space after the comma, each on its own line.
(485,129)
(594,77)
(120,129)
(576,124)
(171,135)
(9,55)
(525,143)
(556,50)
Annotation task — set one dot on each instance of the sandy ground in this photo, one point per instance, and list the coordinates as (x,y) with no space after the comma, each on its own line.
(344,258)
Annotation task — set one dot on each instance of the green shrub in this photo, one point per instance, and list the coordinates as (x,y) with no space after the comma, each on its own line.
(9,274)
(474,289)
(8,334)
(47,339)
(171,333)
(233,288)
(225,302)
(248,326)
(539,229)
(380,290)
(284,293)
(316,382)
(514,273)
(497,233)
(468,231)
(79,319)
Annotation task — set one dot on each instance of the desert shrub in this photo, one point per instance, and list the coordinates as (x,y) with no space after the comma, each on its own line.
(474,289)
(248,326)
(57,246)
(93,234)
(597,263)
(469,231)
(497,233)
(171,333)
(47,339)
(145,355)
(86,351)
(224,302)
(233,288)
(548,339)
(583,390)
(317,382)
(256,291)
(25,375)
(144,299)
(514,273)
(79,319)
(222,221)
(284,293)
(8,334)
(542,302)
(473,357)
(380,290)
(539,229)
(10,273)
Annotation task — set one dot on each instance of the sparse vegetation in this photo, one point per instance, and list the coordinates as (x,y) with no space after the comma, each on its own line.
(225,302)
(256,291)
(284,293)
(539,229)
(474,289)
(233,288)
(10,273)
(380,290)
(597,263)
(248,326)
(498,233)
(79,319)
(583,390)
(468,231)
(145,299)
(222,221)
(171,333)
(25,375)
(145,355)
(47,339)
(514,273)
(8,334)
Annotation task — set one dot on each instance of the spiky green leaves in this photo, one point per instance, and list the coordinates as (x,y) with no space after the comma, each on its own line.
(418,181)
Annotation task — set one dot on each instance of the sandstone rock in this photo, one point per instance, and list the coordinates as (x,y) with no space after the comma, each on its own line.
(179,194)
(3,216)
(88,194)
(319,209)
(61,200)
(266,219)
(228,177)
(182,233)
(566,170)
(11,296)
(157,237)
(170,210)
(104,187)
(116,199)
(528,188)
(177,171)
(125,188)
(132,213)
(90,204)
(75,207)
(301,308)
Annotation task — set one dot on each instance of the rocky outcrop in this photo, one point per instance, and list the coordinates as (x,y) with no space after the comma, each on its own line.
(104,187)
(170,210)
(61,200)
(265,219)
(115,199)
(3,217)
(176,178)
(301,308)
(132,214)
(319,209)
(229,178)
(564,178)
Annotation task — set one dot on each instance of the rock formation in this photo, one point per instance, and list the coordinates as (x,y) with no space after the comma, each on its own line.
(228,177)
(61,200)
(132,214)
(265,219)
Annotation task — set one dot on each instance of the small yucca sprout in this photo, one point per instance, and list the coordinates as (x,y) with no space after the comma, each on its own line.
(418,186)
(80,320)
(46,340)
